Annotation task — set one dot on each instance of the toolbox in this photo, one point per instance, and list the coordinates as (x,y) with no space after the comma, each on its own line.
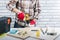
(5,24)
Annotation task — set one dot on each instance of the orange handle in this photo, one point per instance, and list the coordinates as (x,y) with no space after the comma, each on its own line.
(9,21)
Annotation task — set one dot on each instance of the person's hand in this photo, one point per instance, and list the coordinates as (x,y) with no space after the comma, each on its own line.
(33,21)
(21,15)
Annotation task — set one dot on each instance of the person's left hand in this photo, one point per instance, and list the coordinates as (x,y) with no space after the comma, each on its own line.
(33,21)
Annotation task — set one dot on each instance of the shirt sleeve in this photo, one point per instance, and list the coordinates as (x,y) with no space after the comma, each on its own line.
(11,4)
(37,9)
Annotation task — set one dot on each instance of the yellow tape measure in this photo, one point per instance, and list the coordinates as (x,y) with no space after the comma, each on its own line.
(38,33)
(27,16)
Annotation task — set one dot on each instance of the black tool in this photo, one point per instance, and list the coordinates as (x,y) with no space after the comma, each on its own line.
(51,34)
(34,30)
(5,24)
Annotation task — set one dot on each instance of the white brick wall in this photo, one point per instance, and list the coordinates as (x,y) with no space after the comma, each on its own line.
(50,13)
(5,12)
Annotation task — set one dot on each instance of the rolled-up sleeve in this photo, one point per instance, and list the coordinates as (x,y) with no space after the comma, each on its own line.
(37,9)
(11,4)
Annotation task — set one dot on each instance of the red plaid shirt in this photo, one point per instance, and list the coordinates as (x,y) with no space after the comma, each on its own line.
(28,6)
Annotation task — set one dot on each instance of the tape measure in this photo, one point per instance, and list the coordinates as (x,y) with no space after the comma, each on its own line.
(27,17)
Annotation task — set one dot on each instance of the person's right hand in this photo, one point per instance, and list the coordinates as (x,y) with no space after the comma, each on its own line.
(20,15)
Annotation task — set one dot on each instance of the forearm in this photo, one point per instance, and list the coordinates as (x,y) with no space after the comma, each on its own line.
(15,10)
(10,6)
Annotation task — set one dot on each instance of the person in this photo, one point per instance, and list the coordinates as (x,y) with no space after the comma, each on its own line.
(27,12)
